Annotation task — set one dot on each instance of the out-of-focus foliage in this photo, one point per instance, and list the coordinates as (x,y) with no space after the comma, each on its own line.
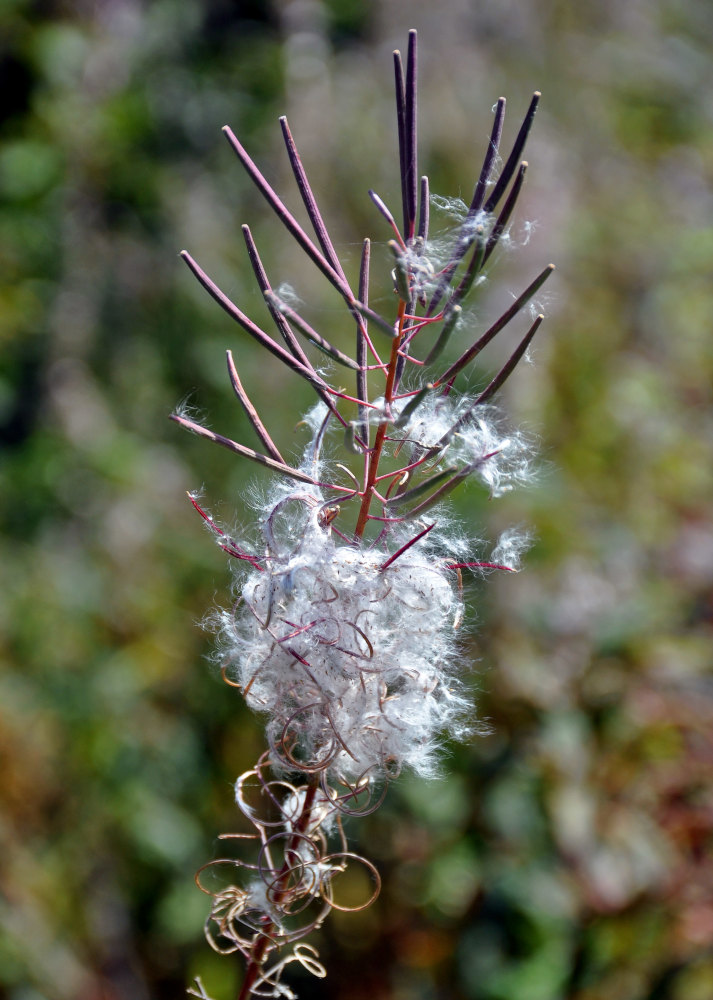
(568,854)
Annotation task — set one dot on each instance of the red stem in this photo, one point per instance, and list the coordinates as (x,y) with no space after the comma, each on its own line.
(375,455)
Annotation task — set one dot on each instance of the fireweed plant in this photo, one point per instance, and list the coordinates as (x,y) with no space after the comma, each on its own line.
(343,630)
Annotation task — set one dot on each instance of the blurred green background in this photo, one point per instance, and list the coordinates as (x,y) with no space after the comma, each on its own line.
(567,854)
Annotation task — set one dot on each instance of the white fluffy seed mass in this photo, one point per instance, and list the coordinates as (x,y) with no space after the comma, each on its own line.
(499,457)
(352,662)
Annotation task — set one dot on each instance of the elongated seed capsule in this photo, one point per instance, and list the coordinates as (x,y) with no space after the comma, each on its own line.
(474,266)
(413,405)
(378,320)
(311,334)
(417,491)
(439,494)
(450,320)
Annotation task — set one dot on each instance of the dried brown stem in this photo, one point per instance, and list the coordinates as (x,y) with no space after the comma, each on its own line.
(261,941)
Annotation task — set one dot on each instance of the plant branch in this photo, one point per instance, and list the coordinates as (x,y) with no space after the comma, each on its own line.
(375,455)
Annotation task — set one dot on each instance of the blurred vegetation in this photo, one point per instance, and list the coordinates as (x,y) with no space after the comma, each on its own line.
(568,853)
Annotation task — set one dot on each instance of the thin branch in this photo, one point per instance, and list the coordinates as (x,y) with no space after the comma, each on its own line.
(282,325)
(440,493)
(400,88)
(490,157)
(480,565)
(228,545)
(423,487)
(381,323)
(474,265)
(286,217)
(467,231)
(510,364)
(247,324)
(497,326)
(507,209)
(407,546)
(240,449)
(384,210)
(515,154)
(309,332)
(375,453)
(424,209)
(493,387)
(251,412)
(413,404)
(310,202)
(453,314)
(361,344)
(410,176)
